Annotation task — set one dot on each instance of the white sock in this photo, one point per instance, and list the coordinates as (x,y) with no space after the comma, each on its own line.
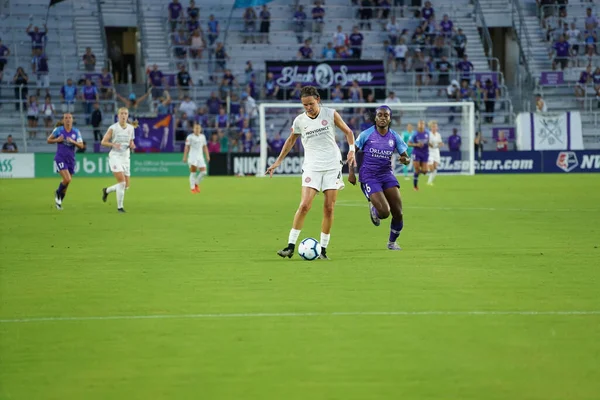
(120,194)
(325,240)
(200,176)
(112,188)
(432,176)
(192,180)
(294,233)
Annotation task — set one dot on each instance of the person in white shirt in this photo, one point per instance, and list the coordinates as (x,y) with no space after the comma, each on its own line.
(393,30)
(574,37)
(339,38)
(188,106)
(540,104)
(322,168)
(400,52)
(435,142)
(196,155)
(119,137)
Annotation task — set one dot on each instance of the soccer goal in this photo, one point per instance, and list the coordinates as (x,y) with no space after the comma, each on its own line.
(277,118)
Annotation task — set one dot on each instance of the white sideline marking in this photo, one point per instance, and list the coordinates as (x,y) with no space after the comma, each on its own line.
(295,314)
(362,204)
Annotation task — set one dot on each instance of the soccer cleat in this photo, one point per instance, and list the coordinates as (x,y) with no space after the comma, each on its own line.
(196,189)
(121,210)
(287,252)
(393,246)
(416,189)
(104,195)
(57,199)
(323,255)
(58,206)
(374,217)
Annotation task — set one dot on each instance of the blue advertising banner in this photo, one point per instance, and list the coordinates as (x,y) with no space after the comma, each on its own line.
(327,73)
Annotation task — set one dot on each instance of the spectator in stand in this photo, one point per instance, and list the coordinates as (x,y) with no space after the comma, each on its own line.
(9,146)
(295,92)
(40,67)
(443,67)
(188,106)
(247,138)
(355,93)
(48,112)
(465,93)
(366,13)
(184,82)
(202,117)
(213,30)
(222,119)
(33,112)
(318,19)
(227,83)
(439,49)
(183,127)
(89,96)
(106,87)
(249,105)
(339,39)
(337,94)
(427,12)
(213,103)
(466,68)
(271,87)
(132,102)
(276,144)
(501,142)
(591,22)
(573,36)
(68,94)
(89,60)
(221,57)
(581,86)
(240,117)
(265,24)
(393,30)
(596,80)
(400,56)
(459,42)
(4,52)
(305,52)
(197,46)
(175,14)
(157,81)
(384,9)
(213,144)
(193,12)
(20,80)
(490,95)
(164,104)
(343,53)
(454,141)
(192,25)
(446,27)
(561,49)
(356,40)
(299,23)
(418,66)
(328,52)
(540,104)
(224,141)
(37,38)
(419,40)
(96,121)
(478,144)
(116,58)
(180,41)
(249,24)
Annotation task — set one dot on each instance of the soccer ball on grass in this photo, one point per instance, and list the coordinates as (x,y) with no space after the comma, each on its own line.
(309,249)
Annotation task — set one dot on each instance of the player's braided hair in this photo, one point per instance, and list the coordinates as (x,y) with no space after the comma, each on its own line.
(307,91)
(135,123)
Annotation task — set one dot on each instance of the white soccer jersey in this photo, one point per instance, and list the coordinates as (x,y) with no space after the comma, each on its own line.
(122,136)
(321,152)
(196,144)
(435,139)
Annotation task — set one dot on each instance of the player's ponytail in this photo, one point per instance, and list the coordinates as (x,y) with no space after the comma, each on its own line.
(59,124)
(135,123)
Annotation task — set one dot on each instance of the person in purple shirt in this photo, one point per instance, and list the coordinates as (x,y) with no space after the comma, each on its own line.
(356,40)
(584,78)
(420,143)
(271,87)
(299,23)
(305,52)
(247,137)
(66,138)
(447,27)
(490,95)
(157,80)
(265,24)
(222,120)
(4,52)
(454,141)
(465,67)
(318,17)
(106,85)
(562,53)
(213,104)
(427,12)
(276,143)
(37,37)
(89,94)
(596,80)
(175,14)
(377,179)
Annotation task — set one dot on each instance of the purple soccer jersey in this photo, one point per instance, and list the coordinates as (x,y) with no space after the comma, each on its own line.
(420,154)
(376,172)
(65,151)
(89,93)
(276,145)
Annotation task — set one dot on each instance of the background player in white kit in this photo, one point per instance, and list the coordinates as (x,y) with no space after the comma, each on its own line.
(119,137)
(435,142)
(195,145)
(322,168)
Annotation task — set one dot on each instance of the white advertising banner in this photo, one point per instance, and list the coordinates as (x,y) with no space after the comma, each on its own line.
(549,131)
(13,165)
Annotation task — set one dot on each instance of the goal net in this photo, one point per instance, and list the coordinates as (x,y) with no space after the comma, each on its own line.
(276,120)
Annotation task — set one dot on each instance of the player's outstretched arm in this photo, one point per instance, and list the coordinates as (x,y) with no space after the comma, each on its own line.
(106,140)
(287,147)
(339,122)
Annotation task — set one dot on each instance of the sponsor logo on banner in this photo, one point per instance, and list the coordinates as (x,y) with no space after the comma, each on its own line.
(567,161)
(552,130)
(250,164)
(16,166)
(591,162)
(448,164)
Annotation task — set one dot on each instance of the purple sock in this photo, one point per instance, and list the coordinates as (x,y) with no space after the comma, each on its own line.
(62,190)
(395,228)
(415,179)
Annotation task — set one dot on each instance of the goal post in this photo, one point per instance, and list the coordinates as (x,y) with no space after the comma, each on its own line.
(278,117)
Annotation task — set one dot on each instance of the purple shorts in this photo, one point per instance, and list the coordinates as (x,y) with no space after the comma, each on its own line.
(370,185)
(419,157)
(62,164)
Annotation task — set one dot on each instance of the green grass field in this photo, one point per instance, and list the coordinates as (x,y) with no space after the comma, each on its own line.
(481,304)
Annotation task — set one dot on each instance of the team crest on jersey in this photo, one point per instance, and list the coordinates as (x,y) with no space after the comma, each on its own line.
(391,142)
(73,136)
(307,180)
(324,122)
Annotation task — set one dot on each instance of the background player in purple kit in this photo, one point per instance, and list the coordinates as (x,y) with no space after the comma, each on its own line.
(377,179)
(67,138)
(420,142)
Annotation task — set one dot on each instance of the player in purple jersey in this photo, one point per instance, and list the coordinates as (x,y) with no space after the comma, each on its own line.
(66,138)
(378,182)
(420,142)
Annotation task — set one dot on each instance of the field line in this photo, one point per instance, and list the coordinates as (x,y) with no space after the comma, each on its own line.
(363,204)
(300,314)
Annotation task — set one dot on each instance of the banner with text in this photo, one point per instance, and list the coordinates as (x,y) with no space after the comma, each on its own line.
(549,131)
(16,166)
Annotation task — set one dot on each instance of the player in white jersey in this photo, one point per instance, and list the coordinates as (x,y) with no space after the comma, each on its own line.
(195,154)
(435,142)
(119,137)
(322,168)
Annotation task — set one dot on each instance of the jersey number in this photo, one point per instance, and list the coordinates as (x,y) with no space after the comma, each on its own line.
(61,165)
(367,188)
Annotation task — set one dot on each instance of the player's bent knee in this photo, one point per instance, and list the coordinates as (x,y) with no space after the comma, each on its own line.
(304,208)
(383,213)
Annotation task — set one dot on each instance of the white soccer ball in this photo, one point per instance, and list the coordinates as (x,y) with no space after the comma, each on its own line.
(309,249)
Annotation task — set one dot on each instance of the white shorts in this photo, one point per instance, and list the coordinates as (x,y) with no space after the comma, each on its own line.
(197,162)
(323,180)
(119,164)
(434,156)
